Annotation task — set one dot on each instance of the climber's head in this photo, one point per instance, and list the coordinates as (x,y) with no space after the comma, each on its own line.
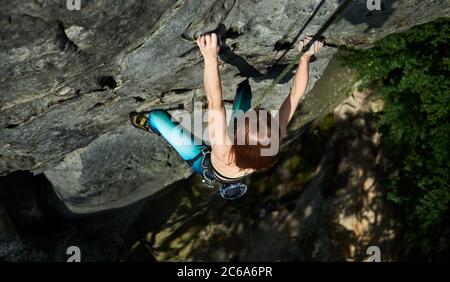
(256,140)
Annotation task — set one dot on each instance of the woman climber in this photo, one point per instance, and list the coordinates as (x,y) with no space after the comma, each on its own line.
(232,154)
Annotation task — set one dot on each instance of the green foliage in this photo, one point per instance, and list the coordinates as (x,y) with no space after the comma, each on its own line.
(410,72)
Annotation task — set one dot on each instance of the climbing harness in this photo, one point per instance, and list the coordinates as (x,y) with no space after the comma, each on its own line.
(228,191)
(208,178)
(291,65)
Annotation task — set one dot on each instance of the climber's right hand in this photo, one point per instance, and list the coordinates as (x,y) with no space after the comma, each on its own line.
(209,45)
(315,47)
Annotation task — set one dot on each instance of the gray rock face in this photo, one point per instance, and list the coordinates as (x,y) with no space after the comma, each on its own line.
(124,164)
(70,78)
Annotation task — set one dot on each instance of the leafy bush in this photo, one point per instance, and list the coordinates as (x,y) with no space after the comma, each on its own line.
(410,72)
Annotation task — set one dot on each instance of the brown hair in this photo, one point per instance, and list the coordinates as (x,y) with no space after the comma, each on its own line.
(248,155)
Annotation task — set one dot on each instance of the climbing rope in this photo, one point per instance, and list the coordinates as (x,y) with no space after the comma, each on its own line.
(291,65)
(299,33)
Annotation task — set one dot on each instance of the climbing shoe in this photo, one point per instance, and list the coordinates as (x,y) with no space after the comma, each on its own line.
(140,121)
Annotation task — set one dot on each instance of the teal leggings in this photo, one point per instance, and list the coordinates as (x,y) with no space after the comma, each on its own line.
(161,122)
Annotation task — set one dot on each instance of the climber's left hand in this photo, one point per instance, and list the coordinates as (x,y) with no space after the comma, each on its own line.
(315,47)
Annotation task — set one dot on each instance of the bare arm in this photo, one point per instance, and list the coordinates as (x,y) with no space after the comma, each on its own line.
(298,88)
(209,47)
